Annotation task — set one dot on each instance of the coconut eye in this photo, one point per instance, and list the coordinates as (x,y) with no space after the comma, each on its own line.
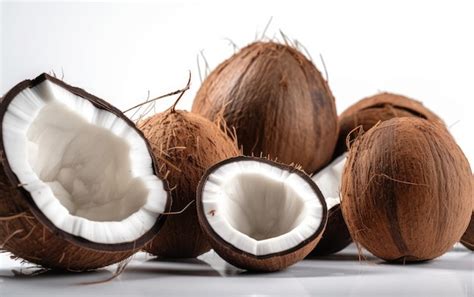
(259,214)
(84,179)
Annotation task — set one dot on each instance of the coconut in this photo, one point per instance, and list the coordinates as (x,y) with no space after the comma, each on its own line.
(380,107)
(185,144)
(277,101)
(336,236)
(468,238)
(258,214)
(406,190)
(78,180)
(365,113)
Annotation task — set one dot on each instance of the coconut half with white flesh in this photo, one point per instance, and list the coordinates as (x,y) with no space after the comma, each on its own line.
(336,236)
(78,181)
(260,215)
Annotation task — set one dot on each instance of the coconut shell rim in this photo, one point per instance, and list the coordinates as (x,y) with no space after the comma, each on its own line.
(203,222)
(13,179)
(375,101)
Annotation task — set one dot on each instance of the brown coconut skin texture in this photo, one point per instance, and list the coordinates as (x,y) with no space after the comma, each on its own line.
(265,263)
(28,234)
(365,113)
(278,102)
(381,107)
(336,236)
(185,144)
(406,190)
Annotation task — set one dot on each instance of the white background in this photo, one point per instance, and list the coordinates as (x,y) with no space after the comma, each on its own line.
(119,52)
(422,49)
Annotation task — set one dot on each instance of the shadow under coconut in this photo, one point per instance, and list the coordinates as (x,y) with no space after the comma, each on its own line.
(440,263)
(37,273)
(170,267)
(55,278)
(349,254)
(459,248)
(299,271)
(339,258)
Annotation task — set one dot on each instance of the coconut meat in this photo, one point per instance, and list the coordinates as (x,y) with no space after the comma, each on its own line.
(259,208)
(329,180)
(87,170)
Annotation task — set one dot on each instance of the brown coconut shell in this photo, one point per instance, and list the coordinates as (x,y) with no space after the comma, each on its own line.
(185,144)
(406,190)
(380,107)
(468,238)
(366,113)
(278,102)
(264,263)
(28,234)
(336,236)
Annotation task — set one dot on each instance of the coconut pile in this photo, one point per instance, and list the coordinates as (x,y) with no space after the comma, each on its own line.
(262,170)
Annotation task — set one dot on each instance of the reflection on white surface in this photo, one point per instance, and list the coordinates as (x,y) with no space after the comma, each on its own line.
(338,275)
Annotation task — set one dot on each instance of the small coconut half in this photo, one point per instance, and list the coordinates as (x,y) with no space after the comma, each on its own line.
(336,236)
(468,238)
(260,215)
(78,181)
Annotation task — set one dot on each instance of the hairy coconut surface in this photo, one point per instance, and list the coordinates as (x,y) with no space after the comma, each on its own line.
(380,107)
(278,102)
(185,144)
(468,238)
(406,190)
(36,223)
(259,214)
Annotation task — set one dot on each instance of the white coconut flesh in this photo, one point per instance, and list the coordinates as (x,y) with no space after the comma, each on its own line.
(87,170)
(329,181)
(259,208)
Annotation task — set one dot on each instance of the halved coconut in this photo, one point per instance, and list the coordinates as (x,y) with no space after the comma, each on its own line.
(78,180)
(336,236)
(259,214)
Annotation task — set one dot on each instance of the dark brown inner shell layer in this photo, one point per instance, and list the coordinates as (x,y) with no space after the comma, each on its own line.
(335,237)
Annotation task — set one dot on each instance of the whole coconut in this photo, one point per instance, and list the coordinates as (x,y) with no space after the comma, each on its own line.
(406,190)
(277,101)
(185,144)
(380,107)
(366,113)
